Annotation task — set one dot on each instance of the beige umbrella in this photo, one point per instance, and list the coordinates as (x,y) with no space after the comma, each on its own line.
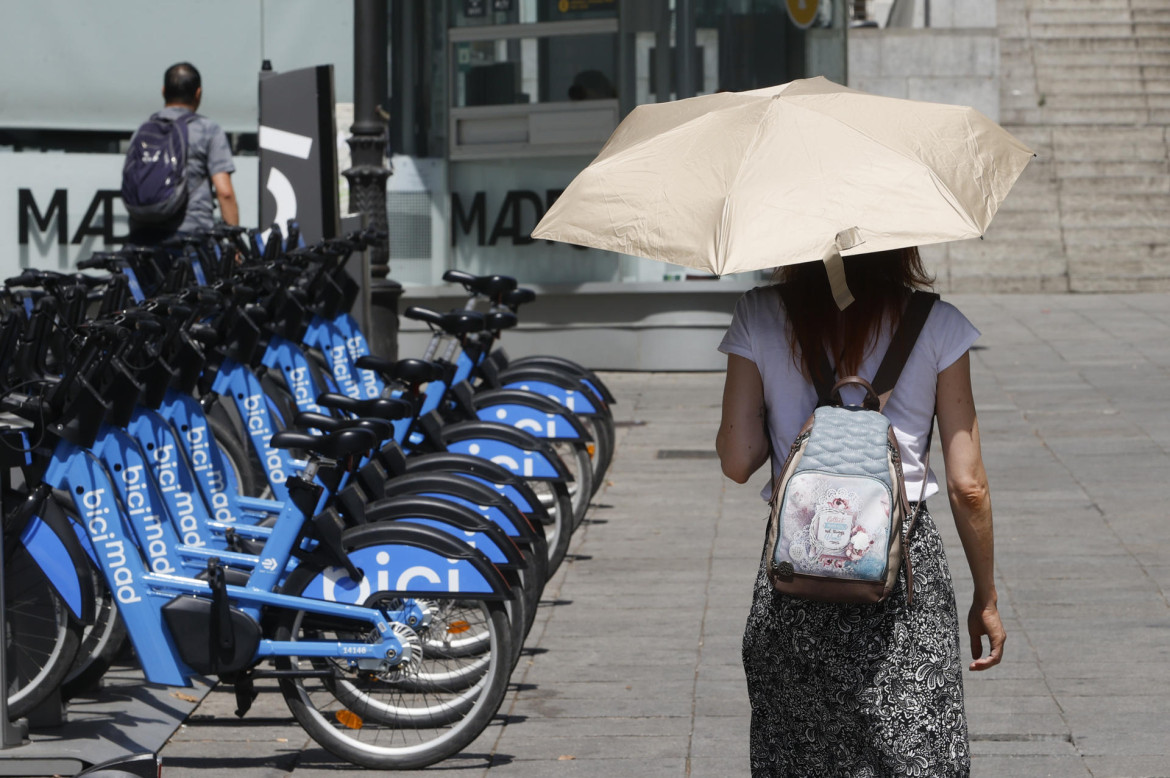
(807,170)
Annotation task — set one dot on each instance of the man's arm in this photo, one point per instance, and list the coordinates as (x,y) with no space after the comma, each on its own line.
(229,209)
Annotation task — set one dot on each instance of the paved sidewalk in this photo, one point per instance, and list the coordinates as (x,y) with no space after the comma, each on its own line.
(633,665)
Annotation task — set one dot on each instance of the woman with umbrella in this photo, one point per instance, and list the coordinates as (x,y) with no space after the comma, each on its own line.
(844,689)
(777,177)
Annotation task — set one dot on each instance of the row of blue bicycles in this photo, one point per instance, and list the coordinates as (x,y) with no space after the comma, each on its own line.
(201,456)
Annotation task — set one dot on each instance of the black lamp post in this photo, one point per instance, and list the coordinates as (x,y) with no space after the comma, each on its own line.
(367,177)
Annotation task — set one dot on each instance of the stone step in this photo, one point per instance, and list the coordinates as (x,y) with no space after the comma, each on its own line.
(1064,5)
(1137,220)
(1096,101)
(1076,87)
(1139,185)
(1100,30)
(1159,15)
(1110,143)
(1078,200)
(1074,116)
(1083,73)
(1115,236)
(1065,58)
(1077,16)
(1098,169)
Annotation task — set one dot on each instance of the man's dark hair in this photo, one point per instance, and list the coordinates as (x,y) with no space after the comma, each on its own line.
(180,83)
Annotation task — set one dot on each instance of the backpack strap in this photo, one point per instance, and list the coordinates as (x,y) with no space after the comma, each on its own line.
(902,343)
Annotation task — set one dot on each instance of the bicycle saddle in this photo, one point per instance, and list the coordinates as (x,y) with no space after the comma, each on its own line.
(489,286)
(335,445)
(412,371)
(499,320)
(380,427)
(454,323)
(517,297)
(376,407)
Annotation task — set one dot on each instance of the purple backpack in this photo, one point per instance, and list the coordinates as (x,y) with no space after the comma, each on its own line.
(154,176)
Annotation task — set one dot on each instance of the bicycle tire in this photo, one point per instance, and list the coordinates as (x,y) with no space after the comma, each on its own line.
(41,636)
(578,462)
(100,644)
(554,496)
(235,455)
(375,744)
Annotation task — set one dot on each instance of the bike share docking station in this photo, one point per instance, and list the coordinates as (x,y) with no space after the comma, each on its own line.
(124,716)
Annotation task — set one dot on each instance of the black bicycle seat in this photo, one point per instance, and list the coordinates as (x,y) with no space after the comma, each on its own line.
(335,445)
(518,297)
(412,371)
(382,428)
(489,286)
(453,323)
(376,407)
(499,320)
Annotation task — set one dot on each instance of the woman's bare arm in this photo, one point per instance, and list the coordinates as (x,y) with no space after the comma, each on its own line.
(742,442)
(970,500)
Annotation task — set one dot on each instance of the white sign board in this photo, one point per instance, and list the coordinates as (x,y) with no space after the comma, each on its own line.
(57,208)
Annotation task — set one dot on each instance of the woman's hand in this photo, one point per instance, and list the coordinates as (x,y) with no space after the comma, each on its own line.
(983,619)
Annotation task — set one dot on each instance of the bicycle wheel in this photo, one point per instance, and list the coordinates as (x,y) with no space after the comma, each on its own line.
(369,719)
(554,496)
(100,644)
(577,461)
(235,456)
(40,635)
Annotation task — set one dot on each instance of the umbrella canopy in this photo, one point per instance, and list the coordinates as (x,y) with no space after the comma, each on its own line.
(807,170)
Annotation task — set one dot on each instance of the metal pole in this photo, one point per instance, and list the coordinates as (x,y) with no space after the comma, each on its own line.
(684,47)
(367,177)
(662,58)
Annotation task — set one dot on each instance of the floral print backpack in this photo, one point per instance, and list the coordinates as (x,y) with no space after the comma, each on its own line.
(840,518)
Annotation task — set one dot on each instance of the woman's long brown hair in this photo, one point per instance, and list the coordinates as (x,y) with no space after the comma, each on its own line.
(881,284)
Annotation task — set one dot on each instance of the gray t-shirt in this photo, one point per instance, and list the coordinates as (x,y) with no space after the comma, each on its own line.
(208,153)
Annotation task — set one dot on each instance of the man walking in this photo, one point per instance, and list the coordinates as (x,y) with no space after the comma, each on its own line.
(208,165)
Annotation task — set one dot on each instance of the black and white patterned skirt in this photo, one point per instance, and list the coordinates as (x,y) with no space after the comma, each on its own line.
(859,691)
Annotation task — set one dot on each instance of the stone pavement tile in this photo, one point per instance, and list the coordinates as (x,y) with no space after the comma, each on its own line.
(990,685)
(647,767)
(1011,745)
(720,736)
(981,708)
(718,767)
(738,708)
(624,706)
(999,722)
(571,742)
(1129,766)
(1042,766)
(201,758)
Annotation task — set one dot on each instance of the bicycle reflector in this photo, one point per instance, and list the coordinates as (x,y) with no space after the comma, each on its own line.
(458,627)
(348,719)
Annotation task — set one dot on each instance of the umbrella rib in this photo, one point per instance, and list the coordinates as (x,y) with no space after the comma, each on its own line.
(720,242)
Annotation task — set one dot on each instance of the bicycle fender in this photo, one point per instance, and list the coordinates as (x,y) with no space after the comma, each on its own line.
(572,394)
(463,491)
(577,399)
(582,373)
(51,542)
(410,560)
(457,520)
(483,472)
(531,412)
(514,449)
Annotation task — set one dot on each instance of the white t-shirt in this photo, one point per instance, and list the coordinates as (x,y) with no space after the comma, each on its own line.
(759,332)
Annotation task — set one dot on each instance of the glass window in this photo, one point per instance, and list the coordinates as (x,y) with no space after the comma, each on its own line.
(759,43)
(561,68)
(475,13)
